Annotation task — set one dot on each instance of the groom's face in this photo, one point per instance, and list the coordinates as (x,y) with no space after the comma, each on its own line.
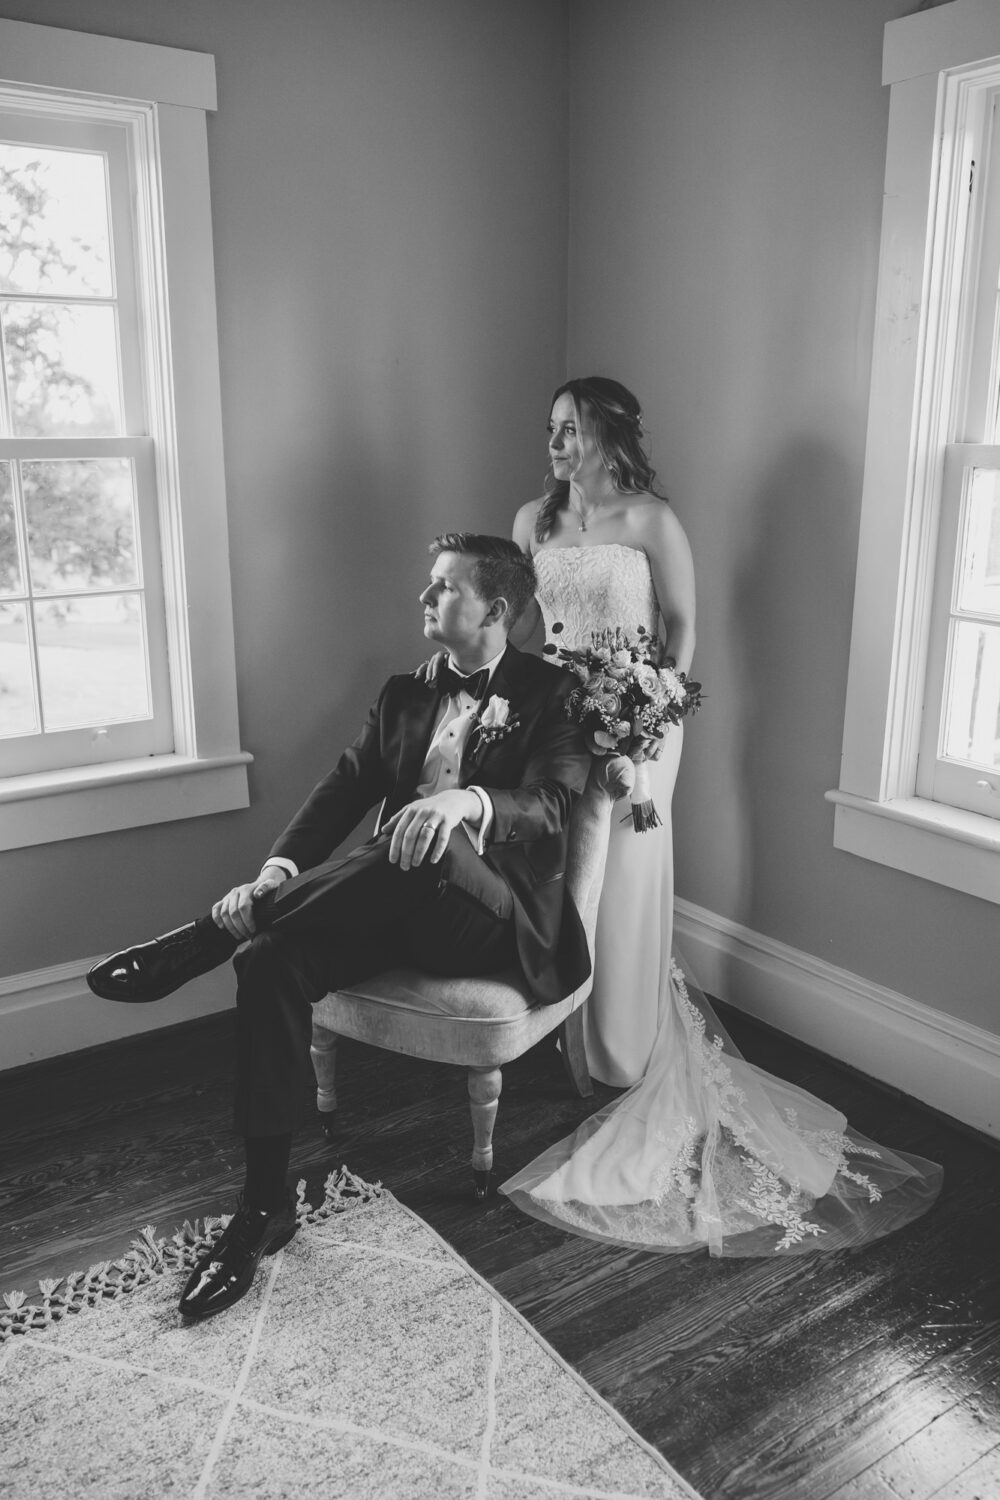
(454,613)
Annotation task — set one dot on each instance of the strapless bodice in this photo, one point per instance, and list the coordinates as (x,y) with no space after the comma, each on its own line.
(594,588)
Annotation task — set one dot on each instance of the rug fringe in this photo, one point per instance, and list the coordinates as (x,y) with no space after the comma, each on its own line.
(343,1190)
(150,1256)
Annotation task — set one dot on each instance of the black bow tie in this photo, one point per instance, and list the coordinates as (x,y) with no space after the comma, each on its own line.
(449,683)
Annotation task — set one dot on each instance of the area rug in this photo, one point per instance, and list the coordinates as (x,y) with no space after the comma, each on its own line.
(368,1361)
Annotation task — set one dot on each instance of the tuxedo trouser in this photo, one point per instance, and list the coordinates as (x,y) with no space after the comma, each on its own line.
(342,922)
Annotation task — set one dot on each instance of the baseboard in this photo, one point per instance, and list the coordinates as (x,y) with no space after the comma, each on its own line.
(48,1012)
(948,1064)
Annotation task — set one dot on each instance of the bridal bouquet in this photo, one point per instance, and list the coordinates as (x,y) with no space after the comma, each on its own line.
(625,702)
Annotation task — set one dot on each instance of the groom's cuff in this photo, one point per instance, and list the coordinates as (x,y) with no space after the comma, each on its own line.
(283,864)
(480,835)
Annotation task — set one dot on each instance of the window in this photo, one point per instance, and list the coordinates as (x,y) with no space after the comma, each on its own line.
(920,781)
(83,660)
(117,675)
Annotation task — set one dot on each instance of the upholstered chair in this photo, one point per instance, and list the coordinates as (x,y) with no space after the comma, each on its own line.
(478,1023)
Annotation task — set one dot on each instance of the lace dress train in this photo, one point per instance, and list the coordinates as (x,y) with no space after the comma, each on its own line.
(709,1150)
(705,1149)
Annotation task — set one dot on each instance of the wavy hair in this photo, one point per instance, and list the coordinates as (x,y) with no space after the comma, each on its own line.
(615,419)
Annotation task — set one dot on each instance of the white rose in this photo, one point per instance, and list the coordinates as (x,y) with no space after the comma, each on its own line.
(496,713)
(671,684)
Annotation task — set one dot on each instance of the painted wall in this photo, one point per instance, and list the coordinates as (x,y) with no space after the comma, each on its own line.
(390,214)
(726,207)
(393,215)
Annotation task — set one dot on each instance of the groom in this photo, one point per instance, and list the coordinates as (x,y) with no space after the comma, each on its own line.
(477,773)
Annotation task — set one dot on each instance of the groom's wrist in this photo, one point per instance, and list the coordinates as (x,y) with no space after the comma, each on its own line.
(479,831)
(475,807)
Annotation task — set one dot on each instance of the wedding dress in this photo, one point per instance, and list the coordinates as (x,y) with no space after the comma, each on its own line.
(584,589)
(705,1149)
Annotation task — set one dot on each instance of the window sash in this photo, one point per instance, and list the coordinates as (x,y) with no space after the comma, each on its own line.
(114,140)
(940,777)
(96,744)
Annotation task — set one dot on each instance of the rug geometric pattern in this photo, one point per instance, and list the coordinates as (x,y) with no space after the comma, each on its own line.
(368,1360)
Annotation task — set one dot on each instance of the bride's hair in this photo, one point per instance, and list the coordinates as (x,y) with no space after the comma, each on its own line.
(615,418)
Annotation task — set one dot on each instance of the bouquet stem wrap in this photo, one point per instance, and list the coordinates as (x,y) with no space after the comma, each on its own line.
(644,814)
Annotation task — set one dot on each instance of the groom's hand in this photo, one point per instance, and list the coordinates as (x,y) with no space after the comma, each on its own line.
(421,829)
(234,913)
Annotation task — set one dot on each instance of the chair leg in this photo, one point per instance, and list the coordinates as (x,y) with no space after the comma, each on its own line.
(323,1052)
(573,1053)
(484,1097)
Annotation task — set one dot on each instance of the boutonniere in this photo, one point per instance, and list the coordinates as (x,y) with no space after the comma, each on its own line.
(494,723)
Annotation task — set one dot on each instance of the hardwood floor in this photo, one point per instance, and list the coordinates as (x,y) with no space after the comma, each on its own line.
(862,1375)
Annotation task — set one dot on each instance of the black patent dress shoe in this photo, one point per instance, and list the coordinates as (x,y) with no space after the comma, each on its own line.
(225,1272)
(151,970)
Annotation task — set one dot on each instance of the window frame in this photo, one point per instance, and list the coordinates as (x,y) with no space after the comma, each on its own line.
(933,61)
(162,96)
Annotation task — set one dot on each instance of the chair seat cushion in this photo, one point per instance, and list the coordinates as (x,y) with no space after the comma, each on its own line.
(480,1022)
(493,997)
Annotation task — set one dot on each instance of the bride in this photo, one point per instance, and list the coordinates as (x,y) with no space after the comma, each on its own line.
(608,550)
(704,1148)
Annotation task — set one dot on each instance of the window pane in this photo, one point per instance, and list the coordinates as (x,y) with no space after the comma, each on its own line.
(973,721)
(10,567)
(81,523)
(17,700)
(53,222)
(62,369)
(92,661)
(979,576)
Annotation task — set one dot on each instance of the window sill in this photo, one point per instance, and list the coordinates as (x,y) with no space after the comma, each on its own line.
(944,844)
(55,805)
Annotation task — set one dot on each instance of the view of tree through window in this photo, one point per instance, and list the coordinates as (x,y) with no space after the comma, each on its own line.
(972,721)
(72,624)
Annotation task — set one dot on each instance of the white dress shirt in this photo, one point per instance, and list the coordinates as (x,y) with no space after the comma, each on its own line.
(443,760)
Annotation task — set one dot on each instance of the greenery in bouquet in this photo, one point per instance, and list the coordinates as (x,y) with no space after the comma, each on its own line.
(626,702)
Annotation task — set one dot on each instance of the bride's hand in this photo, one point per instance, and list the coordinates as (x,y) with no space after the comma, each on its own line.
(651,751)
(619,776)
(428,670)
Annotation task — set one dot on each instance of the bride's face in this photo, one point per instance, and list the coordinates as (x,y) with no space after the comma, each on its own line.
(573,452)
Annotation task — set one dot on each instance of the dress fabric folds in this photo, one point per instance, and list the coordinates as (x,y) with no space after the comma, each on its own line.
(705,1149)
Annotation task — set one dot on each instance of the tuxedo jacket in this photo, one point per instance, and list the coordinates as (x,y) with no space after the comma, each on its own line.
(533,775)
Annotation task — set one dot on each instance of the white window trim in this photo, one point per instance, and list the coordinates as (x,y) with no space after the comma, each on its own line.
(169,92)
(878,814)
